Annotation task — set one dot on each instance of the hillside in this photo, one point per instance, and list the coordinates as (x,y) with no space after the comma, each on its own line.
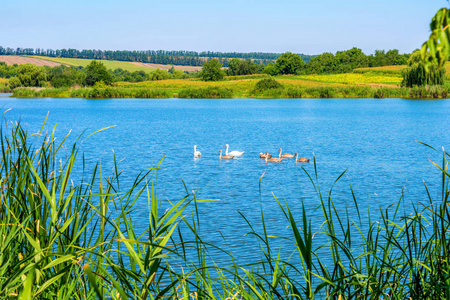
(12,59)
(79,62)
(109,64)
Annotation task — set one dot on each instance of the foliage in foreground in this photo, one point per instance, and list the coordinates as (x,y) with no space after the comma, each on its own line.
(437,48)
(66,240)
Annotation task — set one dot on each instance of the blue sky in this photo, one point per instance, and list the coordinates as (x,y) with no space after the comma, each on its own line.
(309,27)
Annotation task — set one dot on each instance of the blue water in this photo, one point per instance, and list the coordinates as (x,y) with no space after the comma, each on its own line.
(373,139)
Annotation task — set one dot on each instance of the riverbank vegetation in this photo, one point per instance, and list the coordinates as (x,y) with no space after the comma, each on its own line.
(67,233)
(290,77)
(351,85)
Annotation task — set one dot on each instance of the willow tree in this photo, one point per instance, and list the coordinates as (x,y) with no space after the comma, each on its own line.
(419,73)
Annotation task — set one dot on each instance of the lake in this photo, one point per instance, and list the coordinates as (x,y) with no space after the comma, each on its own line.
(373,139)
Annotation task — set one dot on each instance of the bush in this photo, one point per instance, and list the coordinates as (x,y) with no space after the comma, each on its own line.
(267,84)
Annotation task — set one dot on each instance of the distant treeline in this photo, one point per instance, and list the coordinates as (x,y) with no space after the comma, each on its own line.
(186,58)
(348,60)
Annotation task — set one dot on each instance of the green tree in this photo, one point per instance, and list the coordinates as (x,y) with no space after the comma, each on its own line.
(63,76)
(233,66)
(289,63)
(212,70)
(271,69)
(238,67)
(159,74)
(324,63)
(14,82)
(416,74)
(31,75)
(96,72)
(351,59)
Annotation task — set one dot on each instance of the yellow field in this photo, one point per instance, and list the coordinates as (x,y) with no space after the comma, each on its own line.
(3,80)
(385,69)
(393,69)
(243,87)
(109,64)
(351,79)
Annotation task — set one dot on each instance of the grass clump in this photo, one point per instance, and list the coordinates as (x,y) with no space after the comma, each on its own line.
(206,93)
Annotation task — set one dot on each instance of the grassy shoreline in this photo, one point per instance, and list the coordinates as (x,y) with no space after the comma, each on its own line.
(431,92)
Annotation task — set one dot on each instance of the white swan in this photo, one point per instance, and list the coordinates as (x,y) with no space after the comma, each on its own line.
(196,153)
(234,153)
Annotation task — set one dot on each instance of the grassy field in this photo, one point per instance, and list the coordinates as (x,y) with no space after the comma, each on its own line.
(385,69)
(244,86)
(392,69)
(355,79)
(110,64)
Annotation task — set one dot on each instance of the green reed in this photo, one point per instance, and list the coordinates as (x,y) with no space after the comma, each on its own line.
(92,93)
(206,93)
(338,92)
(68,233)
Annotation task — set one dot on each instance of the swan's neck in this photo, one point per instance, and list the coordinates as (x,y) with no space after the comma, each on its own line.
(195,148)
(279,156)
(226,153)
